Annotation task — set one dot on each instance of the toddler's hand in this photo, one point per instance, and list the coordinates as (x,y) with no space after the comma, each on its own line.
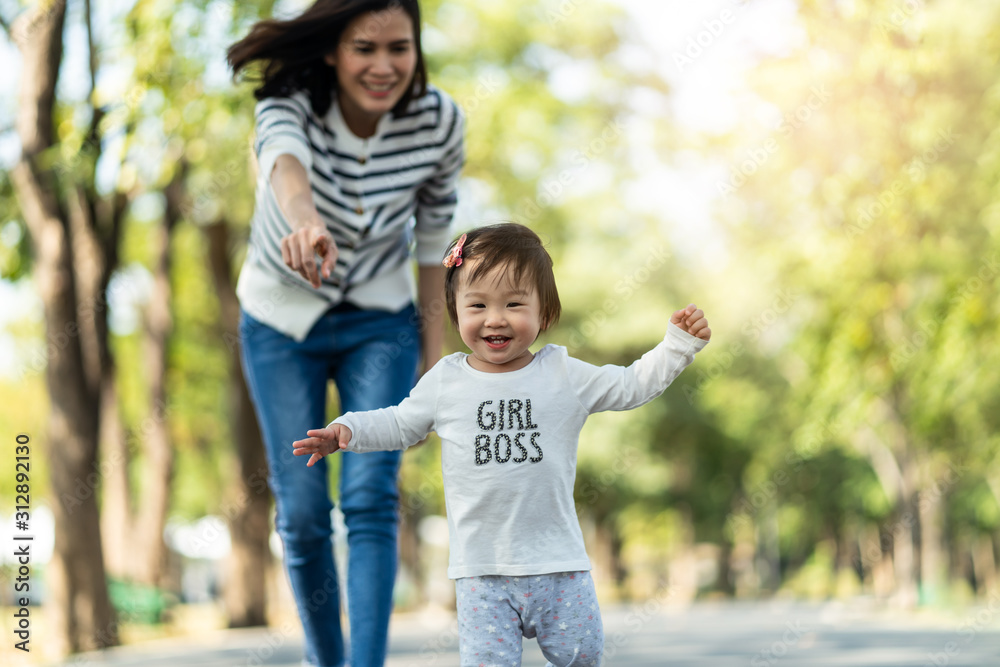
(322,441)
(692,320)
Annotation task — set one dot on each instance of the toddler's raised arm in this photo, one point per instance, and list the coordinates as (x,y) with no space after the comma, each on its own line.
(623,388)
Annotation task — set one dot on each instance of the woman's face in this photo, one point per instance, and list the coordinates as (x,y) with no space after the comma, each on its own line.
(375,62)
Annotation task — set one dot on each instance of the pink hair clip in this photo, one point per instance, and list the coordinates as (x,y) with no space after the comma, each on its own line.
(454,258)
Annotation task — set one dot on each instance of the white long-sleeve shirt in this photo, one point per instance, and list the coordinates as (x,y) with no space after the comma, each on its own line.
(509,444)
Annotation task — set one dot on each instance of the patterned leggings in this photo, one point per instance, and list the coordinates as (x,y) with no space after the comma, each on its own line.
(560,609)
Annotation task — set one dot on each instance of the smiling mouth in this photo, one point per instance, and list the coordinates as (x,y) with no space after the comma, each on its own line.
(378,88)
(496,341)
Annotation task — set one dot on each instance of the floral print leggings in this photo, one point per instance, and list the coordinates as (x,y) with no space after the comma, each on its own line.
(560,609)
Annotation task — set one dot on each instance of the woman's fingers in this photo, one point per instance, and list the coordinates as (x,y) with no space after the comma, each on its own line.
(291,253)
(307,257)
(324,246)
(299,249)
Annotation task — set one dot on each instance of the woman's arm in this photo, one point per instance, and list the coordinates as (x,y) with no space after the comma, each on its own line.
(309,237)
(430,295)
(436,202)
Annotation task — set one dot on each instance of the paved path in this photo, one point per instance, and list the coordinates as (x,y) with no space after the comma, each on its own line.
(760,634)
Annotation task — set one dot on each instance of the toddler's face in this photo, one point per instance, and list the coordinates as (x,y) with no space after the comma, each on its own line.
(497,320)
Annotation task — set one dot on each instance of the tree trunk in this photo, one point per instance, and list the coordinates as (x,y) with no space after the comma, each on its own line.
(683,567)
(116,501)
(768,559)
(904,556)
(741,564)
(897,468)
(116,497)
(617,545)
(608,553)
(725,582)
(933,560)
(81,612)
(984,564)
(96,232)
(249,509)
(409,549)
(158,460)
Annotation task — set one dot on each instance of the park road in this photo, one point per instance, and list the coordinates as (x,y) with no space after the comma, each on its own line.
(709,634)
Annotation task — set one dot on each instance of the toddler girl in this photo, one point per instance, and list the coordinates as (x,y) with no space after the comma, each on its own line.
(509,421)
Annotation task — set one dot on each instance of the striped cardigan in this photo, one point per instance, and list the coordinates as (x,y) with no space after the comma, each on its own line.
(376,195)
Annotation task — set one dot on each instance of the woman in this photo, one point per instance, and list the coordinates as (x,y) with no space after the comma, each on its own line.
(358,156)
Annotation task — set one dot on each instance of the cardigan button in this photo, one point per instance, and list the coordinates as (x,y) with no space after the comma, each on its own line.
(359,210)
(362,159)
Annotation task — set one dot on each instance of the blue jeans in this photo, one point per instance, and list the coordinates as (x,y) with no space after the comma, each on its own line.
(372,357)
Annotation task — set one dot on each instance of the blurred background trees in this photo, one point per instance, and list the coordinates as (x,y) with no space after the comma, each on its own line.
(838,437)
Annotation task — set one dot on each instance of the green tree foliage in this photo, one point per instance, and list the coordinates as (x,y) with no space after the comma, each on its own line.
(868,202)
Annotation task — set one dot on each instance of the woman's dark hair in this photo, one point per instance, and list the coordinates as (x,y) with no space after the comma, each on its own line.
(520,252)
(291,51)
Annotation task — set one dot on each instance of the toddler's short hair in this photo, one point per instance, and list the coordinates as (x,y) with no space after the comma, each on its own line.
(517,249)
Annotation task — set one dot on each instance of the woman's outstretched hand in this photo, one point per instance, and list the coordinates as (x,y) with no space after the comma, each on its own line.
(322,441)
(692,320)
(298,251)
